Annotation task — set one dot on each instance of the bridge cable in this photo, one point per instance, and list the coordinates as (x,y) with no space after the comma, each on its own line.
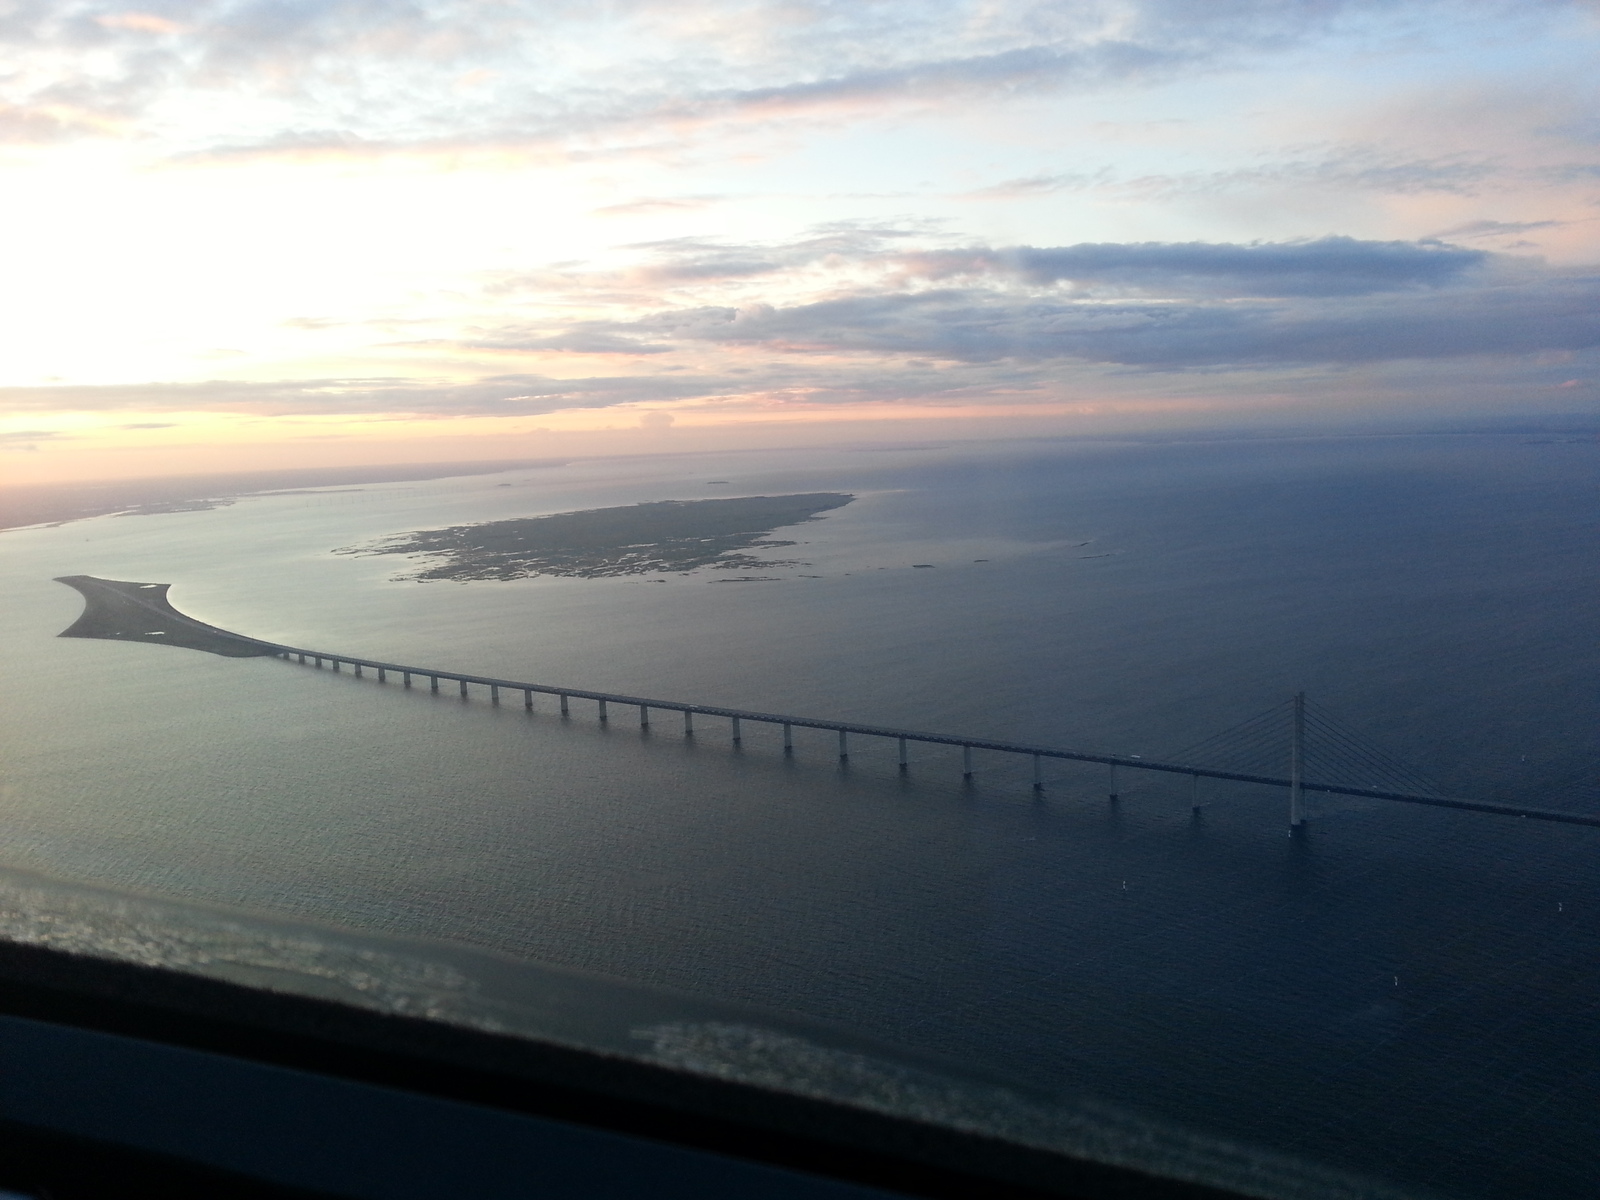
(1350,750)
(1218,741)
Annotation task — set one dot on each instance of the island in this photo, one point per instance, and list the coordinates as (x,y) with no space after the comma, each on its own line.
(125,611)
(634,539)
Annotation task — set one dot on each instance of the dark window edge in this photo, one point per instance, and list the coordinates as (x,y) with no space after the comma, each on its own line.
(549,1080)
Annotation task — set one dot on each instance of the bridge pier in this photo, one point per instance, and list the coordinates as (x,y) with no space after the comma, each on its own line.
(1297,754)
(494,694)
(603,717)
(1294,783)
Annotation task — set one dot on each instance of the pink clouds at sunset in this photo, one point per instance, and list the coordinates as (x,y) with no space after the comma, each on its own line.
(259,229)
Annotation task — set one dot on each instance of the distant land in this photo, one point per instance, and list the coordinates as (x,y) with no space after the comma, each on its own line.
(633,539)
(57,503)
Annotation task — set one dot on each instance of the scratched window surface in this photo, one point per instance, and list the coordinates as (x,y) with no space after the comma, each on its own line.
(1026,565)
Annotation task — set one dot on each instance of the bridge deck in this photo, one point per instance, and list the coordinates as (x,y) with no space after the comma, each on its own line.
(184,630)
(1132,761)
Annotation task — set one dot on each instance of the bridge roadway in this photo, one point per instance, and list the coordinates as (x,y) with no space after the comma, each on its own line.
(149,601)
(844,729)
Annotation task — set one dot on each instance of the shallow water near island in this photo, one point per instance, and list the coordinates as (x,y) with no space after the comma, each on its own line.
(1407,992)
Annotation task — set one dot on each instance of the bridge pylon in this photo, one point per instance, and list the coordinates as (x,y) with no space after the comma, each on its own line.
(1297,762)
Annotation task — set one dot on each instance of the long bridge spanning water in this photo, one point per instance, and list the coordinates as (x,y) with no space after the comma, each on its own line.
(126,611)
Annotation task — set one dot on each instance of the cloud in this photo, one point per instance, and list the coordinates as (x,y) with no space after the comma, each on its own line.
(486,396)
(1380,169)
(1323,267)
(1014,69)
(1156,305)
(1328,266)
(855,316)
(651,205)
(1174,306)
(581,338)
(977,326)
(1375,168)
(35,124)
(25,441)
(525,394)
(699,262)
(353,77)
(141,22)
(1042,185)
(1496,229)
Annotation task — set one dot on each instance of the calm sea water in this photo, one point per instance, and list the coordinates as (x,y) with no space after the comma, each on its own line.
(1407,992)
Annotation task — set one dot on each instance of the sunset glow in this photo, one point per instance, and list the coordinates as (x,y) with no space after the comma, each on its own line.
(275,234)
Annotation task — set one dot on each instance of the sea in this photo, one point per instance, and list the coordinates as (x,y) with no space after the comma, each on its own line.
(1407,992)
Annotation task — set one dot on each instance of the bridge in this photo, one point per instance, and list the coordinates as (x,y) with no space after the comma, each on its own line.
(1299,734)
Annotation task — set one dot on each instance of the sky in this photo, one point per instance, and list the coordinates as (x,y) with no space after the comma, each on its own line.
(273,233)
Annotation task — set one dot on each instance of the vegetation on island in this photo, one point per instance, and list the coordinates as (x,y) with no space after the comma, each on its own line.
(634,539)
